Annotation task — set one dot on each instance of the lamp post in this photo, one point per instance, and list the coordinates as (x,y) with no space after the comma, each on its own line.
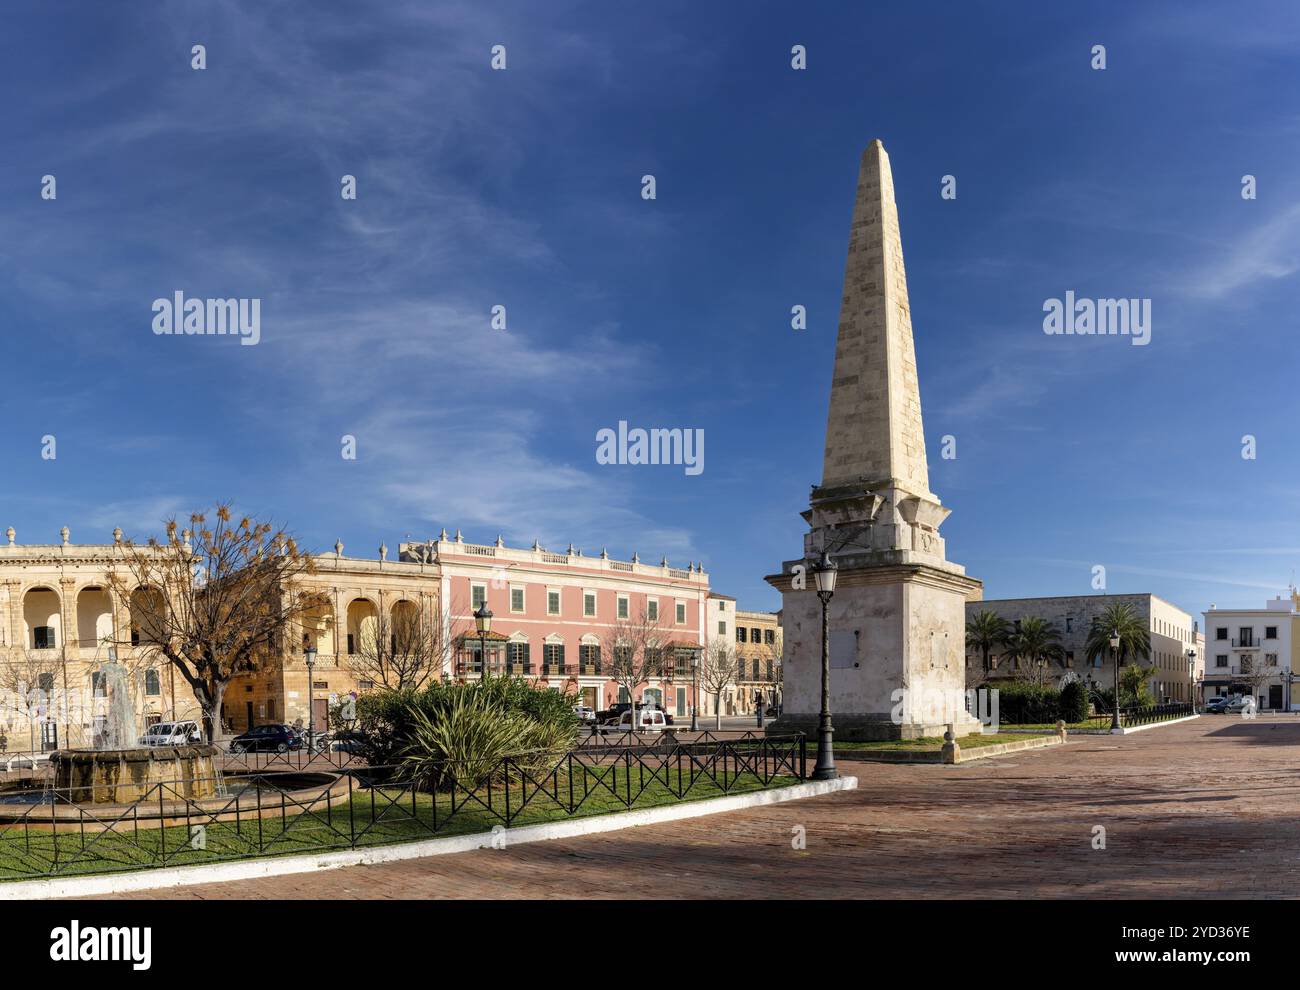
(309,652)
(1191,678)
(1114,655)
(824,575)
(483,623)
(695,690)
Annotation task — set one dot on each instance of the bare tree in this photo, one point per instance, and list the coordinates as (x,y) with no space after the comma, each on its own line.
(27,685)
(406,649)
(214,600)
(634,651)
(1254,674)
(718,670)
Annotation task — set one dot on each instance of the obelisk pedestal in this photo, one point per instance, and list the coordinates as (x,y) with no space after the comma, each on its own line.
(898,614)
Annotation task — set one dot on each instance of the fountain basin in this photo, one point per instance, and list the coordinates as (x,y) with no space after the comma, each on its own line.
(280,795)
(122,776)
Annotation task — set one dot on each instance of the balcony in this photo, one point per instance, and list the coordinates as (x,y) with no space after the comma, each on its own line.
(554,670)
(1246,643)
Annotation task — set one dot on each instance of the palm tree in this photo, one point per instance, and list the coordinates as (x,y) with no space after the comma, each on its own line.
(1034,645)
(1134,635)
(985,632)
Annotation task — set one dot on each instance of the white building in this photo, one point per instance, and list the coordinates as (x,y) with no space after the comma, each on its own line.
(1249,652)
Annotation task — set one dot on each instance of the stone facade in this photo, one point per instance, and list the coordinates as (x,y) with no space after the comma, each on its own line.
(1173,633)
(59,622)
(759,643)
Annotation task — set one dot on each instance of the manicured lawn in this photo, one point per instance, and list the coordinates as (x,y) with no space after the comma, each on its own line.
(374,816)
(926,743)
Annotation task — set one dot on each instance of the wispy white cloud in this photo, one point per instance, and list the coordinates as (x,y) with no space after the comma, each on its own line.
(1269,252)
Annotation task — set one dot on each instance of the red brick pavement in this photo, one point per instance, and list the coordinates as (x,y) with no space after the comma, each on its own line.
(1209,808)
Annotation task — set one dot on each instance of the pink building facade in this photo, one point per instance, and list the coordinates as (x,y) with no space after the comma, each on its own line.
(552,611)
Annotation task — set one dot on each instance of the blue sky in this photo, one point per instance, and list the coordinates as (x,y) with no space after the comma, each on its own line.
(522,188)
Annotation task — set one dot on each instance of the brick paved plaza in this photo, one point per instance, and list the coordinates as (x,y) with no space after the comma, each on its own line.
(1209,808)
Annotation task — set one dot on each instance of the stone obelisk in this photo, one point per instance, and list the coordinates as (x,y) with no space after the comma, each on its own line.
(898,615)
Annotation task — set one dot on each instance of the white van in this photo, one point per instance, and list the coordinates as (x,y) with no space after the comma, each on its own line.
(172,734)
(649,719)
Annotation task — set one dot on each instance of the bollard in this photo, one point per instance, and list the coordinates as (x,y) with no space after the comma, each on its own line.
(951,752)
(1060,729)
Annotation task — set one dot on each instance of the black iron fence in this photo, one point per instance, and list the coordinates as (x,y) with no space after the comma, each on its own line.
(1154,713)
(271,808)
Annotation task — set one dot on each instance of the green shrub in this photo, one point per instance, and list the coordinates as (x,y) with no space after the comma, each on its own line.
(1023,703)
(451,730)
(1074,702)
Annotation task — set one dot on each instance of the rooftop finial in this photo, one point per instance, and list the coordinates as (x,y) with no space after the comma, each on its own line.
(64,533)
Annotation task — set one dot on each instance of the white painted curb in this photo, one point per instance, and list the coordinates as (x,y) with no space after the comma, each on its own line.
(251,869)
(1154,725)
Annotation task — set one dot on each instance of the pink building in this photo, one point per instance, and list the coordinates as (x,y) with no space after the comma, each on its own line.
(552,611)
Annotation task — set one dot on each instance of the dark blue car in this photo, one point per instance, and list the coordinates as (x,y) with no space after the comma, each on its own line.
(266,739)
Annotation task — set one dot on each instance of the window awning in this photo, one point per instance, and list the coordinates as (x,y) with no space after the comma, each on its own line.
(491,637)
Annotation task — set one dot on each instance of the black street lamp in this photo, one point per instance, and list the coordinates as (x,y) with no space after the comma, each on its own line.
(1191,679)
(310,653)
(824,575)
(695,690)
(1114,655)
(483,623)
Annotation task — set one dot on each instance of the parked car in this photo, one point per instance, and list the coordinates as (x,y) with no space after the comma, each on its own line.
(1215,706)
(648,720)
(347,741)
(668,716)
(1238,705)
(265,739)
(612,712)
(617,711)
(584,713)
(171,734)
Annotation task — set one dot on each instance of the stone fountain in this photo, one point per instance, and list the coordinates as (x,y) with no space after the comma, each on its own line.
(117,770)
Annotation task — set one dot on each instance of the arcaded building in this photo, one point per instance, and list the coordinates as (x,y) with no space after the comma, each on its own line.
(60,622)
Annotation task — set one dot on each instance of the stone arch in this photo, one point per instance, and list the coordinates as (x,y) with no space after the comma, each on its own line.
(94,617)
(145,610)
(318,625)
(42,618)
(363,624)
